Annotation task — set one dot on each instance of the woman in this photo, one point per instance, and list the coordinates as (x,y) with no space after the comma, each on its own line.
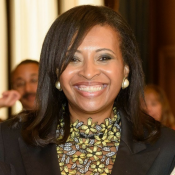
(88,118)
(157,105)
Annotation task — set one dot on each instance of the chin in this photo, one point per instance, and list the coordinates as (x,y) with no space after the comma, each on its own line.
(91,108)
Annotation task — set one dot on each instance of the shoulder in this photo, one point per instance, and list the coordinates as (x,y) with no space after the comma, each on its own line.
(167,135)
(15,124)
(10,150)
(165,146)
(9,134)
(165,143)
(6,169)
(11,126)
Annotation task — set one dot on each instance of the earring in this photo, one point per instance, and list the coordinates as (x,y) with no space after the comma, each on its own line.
(125,83)
(58,85)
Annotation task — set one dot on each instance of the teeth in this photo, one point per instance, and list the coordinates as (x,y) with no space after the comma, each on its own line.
(91,88)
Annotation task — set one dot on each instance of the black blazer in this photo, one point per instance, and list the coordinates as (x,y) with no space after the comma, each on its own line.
(133,158)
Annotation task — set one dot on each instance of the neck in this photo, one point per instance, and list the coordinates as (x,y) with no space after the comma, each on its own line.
(97,116)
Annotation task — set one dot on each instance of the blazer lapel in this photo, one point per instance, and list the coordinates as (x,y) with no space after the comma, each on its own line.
(39,160)
(132,157)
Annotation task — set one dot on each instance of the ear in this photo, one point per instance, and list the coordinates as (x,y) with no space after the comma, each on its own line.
(126,71)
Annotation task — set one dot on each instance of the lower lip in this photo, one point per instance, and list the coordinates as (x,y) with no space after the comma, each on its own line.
(90,94)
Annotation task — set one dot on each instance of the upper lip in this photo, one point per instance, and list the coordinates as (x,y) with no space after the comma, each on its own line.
(89,83)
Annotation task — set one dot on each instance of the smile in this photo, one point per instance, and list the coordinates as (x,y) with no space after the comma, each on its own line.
(91,88)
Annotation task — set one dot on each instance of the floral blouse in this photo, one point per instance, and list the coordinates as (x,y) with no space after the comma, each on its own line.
(90,149)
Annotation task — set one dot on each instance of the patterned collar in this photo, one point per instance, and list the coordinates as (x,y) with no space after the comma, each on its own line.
(89,148)
(92,130)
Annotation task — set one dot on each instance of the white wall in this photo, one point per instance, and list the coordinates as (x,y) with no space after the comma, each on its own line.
(67,4)
(3,54)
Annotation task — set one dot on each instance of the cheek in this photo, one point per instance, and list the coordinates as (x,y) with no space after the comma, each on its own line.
(63,81)
(159,109)
(66,78)
(36,87)
(116,76)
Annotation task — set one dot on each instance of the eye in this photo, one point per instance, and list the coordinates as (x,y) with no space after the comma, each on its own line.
(34,80)
(74,59)
(19,84)
(105,58)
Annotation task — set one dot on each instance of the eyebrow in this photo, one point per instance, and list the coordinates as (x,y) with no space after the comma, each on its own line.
(104,49)
(98,50)
(34,74)
(19,78)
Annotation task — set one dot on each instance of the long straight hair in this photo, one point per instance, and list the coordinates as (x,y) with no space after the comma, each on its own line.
(60,44)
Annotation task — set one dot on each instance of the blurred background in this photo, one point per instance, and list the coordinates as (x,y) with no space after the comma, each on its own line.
(24,24)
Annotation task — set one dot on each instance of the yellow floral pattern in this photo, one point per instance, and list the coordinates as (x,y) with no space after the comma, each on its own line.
(90,149)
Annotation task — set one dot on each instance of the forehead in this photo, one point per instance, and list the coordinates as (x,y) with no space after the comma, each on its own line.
(102,35)
(24,71)
(151,95)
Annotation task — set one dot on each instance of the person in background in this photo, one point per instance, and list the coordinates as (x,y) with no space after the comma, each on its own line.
(24,79)
(157,105)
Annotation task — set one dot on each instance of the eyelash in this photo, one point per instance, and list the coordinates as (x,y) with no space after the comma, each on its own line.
(101,58)
(105,58)
(74,59)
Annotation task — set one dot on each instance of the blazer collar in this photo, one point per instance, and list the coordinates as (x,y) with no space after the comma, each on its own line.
(39,160)
(127,136)
(132,157)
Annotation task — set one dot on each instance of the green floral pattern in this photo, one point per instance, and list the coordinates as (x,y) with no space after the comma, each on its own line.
(90,148)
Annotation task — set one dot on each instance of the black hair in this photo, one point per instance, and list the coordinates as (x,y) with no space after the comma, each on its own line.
(26,61)
(60,44)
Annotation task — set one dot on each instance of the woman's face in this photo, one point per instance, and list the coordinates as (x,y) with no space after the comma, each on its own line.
(93,78)
(154,106)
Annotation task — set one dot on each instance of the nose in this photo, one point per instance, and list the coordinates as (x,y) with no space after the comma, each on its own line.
(89,70)
(28,87)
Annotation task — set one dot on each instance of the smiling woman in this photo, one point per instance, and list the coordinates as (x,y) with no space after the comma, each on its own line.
(88,118)
(93,78)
